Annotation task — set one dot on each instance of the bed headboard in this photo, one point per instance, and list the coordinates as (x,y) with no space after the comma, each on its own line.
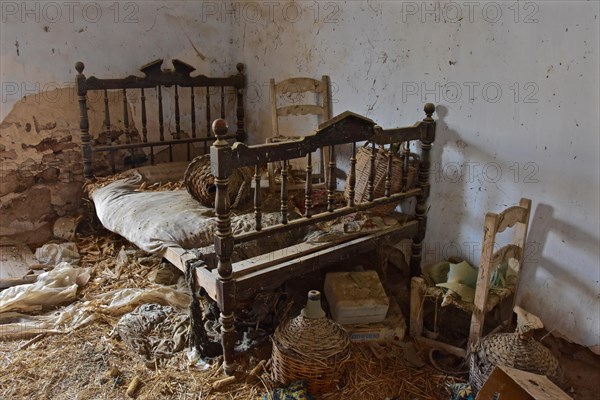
(163,93)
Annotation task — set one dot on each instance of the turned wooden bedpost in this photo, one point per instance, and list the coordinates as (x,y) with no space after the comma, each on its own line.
(84,124)
(240,134)
(222,166)
(421,207)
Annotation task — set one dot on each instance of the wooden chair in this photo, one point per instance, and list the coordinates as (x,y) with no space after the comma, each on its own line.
(321,109)
(485,300)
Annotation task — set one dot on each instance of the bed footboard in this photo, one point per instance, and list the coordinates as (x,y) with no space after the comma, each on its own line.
(347,129)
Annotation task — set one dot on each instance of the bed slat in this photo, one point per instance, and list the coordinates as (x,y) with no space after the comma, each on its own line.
(177,117)
(331,180)
(107,131)
(308,187)
(161,122)
(388,173)
(406,166)
(284,192)
(126,117)
(107,115)
(222,102)
(257,199)
(208,121)
(193,111)
(144,120)
(352,176)
(371,181)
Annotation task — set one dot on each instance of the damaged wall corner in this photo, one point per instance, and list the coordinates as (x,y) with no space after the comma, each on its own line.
(41,168)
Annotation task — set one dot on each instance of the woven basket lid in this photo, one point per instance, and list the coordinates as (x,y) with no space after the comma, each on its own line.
(311,335)
(200,182)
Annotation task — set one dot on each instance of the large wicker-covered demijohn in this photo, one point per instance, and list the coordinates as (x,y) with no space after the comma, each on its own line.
(518,350)
(311,348)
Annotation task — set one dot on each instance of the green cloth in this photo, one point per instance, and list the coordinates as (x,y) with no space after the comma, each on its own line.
(295,391)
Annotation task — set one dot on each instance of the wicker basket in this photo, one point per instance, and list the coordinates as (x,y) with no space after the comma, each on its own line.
(312,349)
(517,350)
(363,171)
(200,182)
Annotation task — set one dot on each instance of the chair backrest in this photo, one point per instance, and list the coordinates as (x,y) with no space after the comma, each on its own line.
(297,86)
(516,217)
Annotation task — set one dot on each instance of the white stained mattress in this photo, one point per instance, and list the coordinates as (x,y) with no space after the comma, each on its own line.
(153,221)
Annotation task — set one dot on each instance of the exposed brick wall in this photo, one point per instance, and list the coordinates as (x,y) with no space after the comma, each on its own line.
(41,169)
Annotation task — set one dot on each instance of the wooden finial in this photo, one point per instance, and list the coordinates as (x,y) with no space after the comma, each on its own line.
(429,109)
(240,67)
(220,128)
(79,67)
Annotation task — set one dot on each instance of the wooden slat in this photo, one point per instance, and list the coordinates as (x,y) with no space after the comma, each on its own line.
(352,177)
(161,123)
(177,116)
(510,217)
(257,199)
(308,189)
(193,111)
(284,192)
(242,268)
(371,180)
(126,117)
(418,288)
(331,184)
(388,173)
(315,260)
(208,120)
(300,109)
(299,85)
(222,102)
(179,257)
(324,216)
(457,351)
(134,82)
(483,278)
(106,114)
(155,143)
(144,120)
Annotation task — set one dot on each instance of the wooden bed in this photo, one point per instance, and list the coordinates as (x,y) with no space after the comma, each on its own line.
(219,276)
(226,281)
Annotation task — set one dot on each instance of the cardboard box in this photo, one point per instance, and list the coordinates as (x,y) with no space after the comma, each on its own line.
(511,383)
(391,329)
(356,297)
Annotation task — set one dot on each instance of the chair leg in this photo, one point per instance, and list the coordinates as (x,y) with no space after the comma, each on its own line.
(417,297)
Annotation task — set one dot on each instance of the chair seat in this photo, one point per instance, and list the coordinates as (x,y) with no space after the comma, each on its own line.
(496,295)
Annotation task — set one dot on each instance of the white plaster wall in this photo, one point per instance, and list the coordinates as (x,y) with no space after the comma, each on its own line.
(537,139)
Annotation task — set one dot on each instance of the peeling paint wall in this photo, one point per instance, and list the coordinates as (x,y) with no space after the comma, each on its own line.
(516,84)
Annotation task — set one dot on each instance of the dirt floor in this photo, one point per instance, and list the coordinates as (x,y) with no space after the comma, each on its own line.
(93,363)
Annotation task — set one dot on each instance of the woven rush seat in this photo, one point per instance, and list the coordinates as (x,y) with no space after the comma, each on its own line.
(496,295)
